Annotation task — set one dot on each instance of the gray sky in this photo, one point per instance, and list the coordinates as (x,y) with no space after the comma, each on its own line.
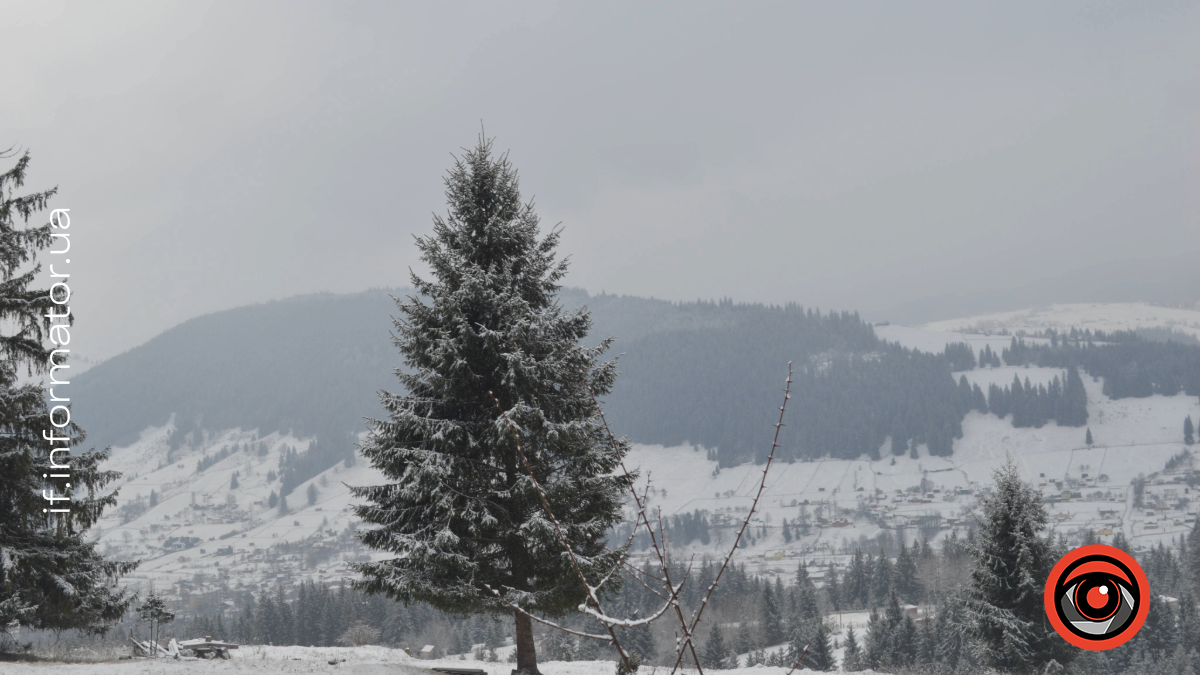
(911,160)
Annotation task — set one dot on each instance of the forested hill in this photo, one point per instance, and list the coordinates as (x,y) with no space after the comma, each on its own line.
(311,363)
(709,373)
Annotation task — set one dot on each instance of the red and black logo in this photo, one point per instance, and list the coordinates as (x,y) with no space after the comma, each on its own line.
(1097,597)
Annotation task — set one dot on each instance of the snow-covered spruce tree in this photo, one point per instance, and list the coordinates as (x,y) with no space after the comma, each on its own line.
(461,513)
(50,576)
(1012,562)
(715,651)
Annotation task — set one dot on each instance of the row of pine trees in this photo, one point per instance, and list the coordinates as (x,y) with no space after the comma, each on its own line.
(755,620)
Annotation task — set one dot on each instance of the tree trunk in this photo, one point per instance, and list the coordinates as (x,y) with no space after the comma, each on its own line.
(526,650)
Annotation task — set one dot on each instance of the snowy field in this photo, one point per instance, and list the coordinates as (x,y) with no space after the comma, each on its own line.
(1084,316)
(351,661)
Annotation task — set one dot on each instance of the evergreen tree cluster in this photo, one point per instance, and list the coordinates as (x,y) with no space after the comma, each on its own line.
(989,358)
(51,575)
(750,614)
(207,460)
(296,467)
(847,407)
(1130,365)
(853,392)
(325,616)
(870,581)
(680,529)
(1063,401)
(960,356)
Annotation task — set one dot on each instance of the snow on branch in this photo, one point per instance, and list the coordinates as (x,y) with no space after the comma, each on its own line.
(591,592)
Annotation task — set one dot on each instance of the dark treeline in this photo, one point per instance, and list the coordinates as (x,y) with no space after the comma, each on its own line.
(716,386)
(681,529)
(295,467)
(1062,401)
(321,615)
(961,356)
(706,373)
(846,408)
(915,593)
(1130,366)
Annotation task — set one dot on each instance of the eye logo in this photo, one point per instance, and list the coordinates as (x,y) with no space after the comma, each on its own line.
(1097,597)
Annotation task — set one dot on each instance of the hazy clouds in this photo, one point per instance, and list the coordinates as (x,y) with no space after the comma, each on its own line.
(911,161)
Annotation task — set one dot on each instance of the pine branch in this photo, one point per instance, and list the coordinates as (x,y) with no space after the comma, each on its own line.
(591,592)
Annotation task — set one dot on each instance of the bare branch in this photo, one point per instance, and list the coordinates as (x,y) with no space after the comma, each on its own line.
(762,485)
(800,658)
(641,514)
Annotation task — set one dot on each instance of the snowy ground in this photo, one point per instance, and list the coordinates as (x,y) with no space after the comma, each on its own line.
(285,660)
(1093,316)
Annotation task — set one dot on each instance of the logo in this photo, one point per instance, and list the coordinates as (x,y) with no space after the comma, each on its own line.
(1097,597)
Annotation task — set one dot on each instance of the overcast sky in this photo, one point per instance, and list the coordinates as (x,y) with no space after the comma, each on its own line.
(914,161)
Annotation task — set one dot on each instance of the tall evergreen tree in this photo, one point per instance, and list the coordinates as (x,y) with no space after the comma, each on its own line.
(851,654)
(833,588)
(857,585)
(1188,431)
(905,574)
(1192,558)
(816,636)
(772,618)
(1012,562)
(1088,437)
(460,513)
(1071,406)
(881,580)
(51,576)
(638,641)
(715,650)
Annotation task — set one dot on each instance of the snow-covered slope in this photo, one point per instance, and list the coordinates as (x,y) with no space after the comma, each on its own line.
(1094,316)
(202,526)
(202,529)
(1131,437)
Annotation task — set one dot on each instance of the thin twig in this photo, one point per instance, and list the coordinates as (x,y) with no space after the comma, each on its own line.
(644,519)
(762,485)
(798,660)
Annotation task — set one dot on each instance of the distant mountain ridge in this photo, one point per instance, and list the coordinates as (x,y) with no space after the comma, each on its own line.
(313,364)
(306,363)
(309,363)
(702,373)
